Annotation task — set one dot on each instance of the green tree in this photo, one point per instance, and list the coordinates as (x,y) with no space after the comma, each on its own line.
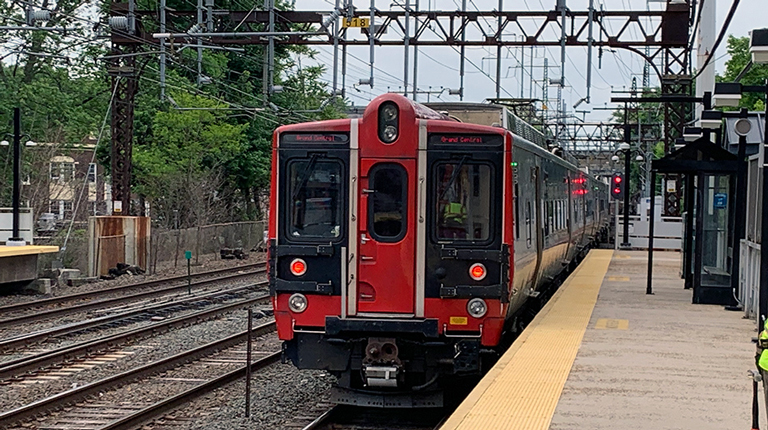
(738,50)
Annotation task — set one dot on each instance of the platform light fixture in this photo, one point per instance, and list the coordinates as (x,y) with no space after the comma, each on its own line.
(691,133)
(758,45)
(726,94)
(711,119)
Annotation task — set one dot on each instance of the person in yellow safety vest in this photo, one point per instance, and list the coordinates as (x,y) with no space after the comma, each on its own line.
(762,349)
(455,212)
(761,359)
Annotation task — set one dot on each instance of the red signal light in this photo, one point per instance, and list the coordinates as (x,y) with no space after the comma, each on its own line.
(617,179)
(477,272)
(298,267)
(617,190)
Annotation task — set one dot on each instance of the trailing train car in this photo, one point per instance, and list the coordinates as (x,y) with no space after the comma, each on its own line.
(402,244)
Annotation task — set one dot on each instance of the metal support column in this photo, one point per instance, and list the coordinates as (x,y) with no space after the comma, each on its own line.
(764,230)
(15,234)
(740,209)
(651,223)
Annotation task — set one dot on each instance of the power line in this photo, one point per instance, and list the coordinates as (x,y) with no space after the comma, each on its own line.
(720,36)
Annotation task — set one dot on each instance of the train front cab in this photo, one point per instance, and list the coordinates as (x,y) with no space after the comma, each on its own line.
(389,263)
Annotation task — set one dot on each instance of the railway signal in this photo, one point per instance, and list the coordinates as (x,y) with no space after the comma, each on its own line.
(617,186)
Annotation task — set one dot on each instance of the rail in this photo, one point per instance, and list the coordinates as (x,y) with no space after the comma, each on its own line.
(101,303)
(22,365)
(61,400)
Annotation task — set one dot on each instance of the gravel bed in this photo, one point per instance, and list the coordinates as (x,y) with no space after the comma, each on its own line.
(167,384)
(281,397)
(153,349)
(206,264)
(95,313)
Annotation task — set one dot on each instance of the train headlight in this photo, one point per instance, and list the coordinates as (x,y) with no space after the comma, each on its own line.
(297,303)
(388,122)
(388,112)
(390,134)
(477,272)
(477,308)
(298,267)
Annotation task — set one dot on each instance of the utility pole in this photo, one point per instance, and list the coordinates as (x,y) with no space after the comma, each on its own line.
(162,50)
(198,29)
(335,24)
(416,56)
(462,50)
(705,41)
(406,41)
(561,8)
(545,91)
(122,71)
(16,238)
(498,54)
(269,5)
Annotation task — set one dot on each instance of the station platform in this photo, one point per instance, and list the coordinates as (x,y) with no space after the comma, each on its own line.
(604,355)
(18,264)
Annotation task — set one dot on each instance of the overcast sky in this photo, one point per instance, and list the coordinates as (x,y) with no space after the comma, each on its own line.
(438,66)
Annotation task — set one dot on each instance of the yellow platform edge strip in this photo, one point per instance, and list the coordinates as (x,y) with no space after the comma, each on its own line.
(14,251)
(522,390)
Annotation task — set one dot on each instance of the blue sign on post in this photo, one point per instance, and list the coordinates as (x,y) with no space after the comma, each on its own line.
(720,201)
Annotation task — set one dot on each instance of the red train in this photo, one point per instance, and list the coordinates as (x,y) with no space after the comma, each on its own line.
(404,243)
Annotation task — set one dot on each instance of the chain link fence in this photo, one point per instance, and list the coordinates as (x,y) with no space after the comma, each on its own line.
(167,247)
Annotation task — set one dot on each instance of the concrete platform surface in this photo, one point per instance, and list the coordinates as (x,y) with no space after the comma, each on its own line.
(658,361)
(14,251)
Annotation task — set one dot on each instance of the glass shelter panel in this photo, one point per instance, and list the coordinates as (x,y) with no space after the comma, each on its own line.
(714,232)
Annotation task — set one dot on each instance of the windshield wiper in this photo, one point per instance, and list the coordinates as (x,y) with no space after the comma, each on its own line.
(454,175)
(304,178)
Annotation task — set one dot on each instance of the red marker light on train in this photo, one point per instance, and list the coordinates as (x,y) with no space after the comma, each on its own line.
(477,272)
(298,267)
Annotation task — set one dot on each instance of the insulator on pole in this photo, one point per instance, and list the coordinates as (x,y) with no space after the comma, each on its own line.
(118,23)
(40,15)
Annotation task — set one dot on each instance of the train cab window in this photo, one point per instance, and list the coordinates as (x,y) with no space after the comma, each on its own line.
(387,202)
(316,197)
(464,201)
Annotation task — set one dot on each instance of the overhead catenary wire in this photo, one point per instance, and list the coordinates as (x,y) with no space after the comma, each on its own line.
(93,157)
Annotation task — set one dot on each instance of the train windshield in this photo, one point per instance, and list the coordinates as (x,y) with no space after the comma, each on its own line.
(316,204)
(463,201)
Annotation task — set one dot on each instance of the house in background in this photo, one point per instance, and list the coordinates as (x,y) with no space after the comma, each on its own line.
(71,174)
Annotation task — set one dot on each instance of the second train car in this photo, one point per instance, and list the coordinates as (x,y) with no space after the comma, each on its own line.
(402,244)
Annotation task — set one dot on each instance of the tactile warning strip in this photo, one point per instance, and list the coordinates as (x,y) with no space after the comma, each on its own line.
(522,390)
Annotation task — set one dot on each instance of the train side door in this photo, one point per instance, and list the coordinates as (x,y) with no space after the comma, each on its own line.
(386,240)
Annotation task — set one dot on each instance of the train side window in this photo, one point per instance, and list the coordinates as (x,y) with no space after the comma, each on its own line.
(316,195)
(517,212)
(528,223)
(387,202)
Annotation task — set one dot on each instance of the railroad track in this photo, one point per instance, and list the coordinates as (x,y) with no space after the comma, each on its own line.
(35,365)
(342,417)
(43,315)
(127,317)
(109,413)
